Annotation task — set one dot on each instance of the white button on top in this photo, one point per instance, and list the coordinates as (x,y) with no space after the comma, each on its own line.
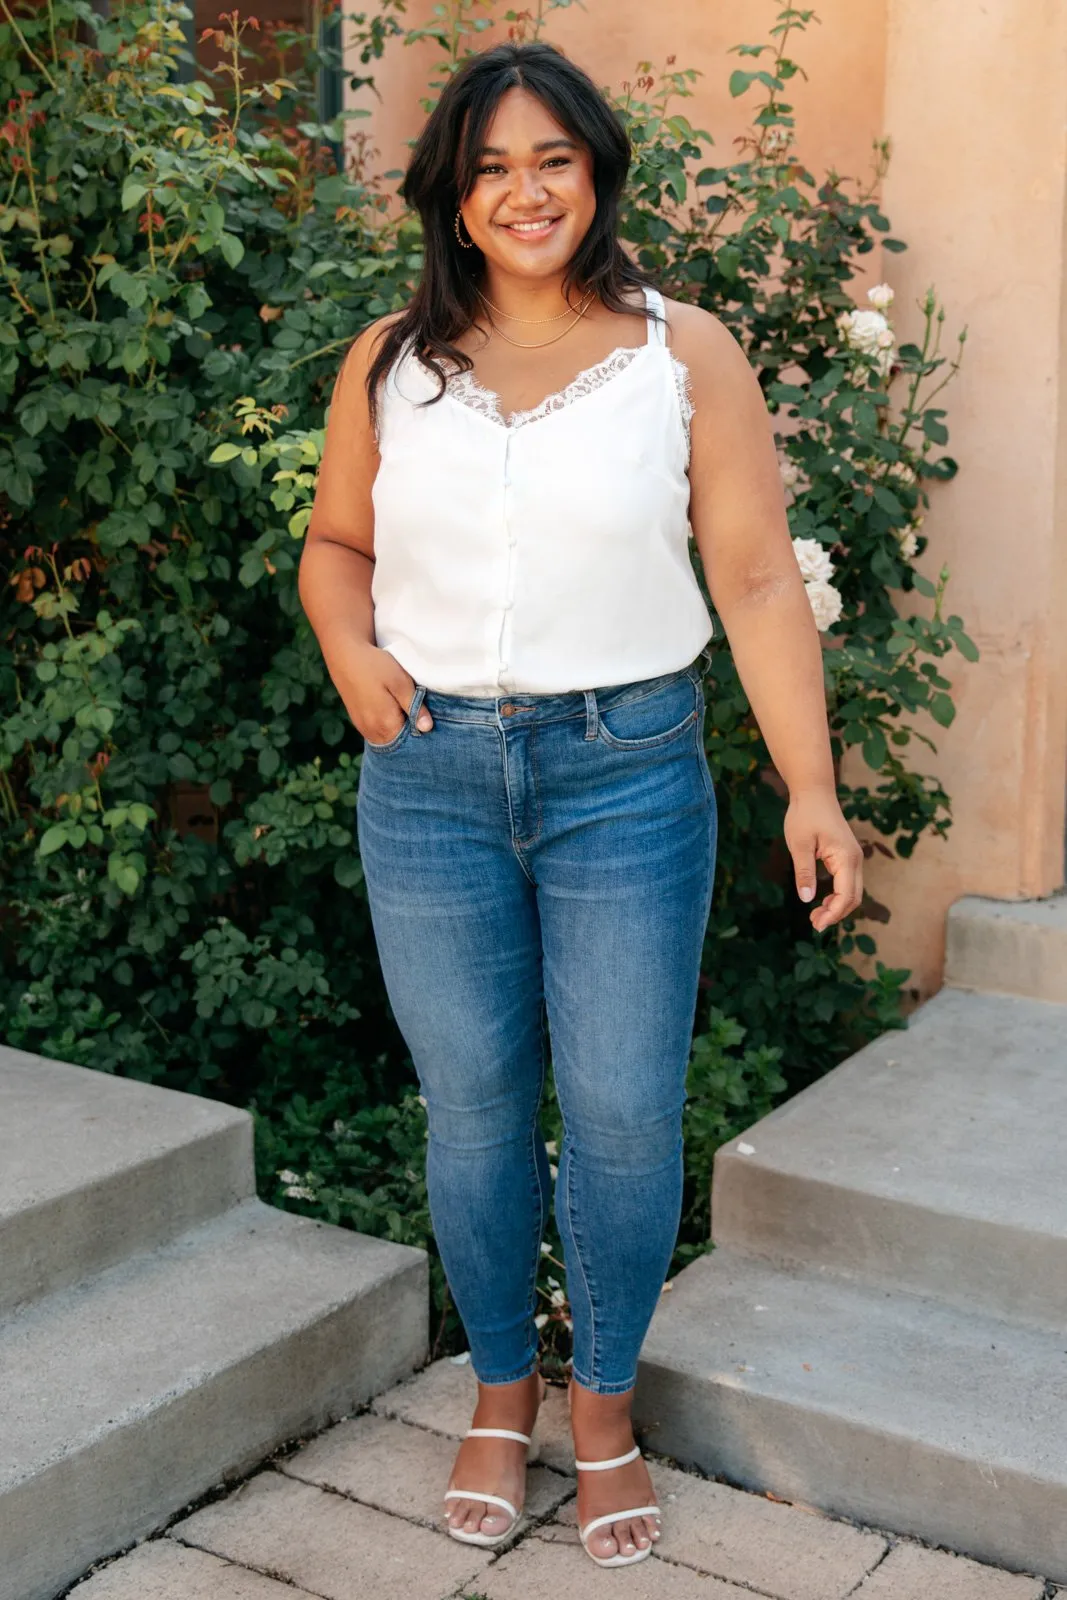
(508,604)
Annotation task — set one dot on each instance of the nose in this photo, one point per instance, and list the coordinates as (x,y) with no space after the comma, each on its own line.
(527,188)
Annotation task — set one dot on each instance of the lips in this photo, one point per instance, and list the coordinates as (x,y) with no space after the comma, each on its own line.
(535,228)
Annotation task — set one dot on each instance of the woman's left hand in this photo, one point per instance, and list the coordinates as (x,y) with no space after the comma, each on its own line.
(816,830)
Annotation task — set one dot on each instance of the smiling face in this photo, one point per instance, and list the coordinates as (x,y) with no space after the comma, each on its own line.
(533,199)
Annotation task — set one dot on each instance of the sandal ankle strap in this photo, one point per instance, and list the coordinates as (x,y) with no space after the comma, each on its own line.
(616,1461)
(497,1433)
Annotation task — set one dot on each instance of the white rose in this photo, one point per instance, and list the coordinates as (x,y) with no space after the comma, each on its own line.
(814,560)
(790,472)
(901,470)
(826,603)
(907,538)
(881,296)
(870,334)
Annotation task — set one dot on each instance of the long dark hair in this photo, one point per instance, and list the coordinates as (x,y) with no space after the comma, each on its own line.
(443,171)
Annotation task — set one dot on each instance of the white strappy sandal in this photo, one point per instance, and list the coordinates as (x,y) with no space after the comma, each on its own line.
(533,1441)
(617,1560)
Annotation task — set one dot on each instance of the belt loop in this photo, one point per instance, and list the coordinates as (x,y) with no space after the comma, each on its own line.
(592,720)
(416,705)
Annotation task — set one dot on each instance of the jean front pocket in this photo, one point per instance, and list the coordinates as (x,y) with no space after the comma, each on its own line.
(642,721)
(393,744)
(406,728)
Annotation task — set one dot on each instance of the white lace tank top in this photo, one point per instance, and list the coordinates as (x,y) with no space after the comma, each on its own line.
(545,553)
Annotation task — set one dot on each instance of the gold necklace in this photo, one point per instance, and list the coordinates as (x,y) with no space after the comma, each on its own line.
(540,343)
(513,318)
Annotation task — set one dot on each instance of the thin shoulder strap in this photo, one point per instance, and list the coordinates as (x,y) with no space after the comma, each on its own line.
(657,330)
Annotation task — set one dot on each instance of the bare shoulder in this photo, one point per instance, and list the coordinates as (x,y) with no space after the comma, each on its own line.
(718,366)
(364,347)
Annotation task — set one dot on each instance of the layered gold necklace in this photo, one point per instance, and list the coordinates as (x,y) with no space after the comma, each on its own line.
(577,313)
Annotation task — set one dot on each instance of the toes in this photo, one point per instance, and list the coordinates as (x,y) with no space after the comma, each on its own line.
(473,1516)
(623,1532)
(455,1511)
(606,1544)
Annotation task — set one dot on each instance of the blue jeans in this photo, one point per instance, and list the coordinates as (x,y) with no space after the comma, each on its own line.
(534,859)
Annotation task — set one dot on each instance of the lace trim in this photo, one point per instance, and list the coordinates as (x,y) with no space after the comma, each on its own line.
(465,387)
(684,386)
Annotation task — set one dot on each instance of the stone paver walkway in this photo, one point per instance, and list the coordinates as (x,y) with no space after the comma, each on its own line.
(354,1515)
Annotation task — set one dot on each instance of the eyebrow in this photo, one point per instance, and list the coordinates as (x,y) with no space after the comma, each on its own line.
(542,144)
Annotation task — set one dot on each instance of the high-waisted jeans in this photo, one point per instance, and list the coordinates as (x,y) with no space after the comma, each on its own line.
(547,859)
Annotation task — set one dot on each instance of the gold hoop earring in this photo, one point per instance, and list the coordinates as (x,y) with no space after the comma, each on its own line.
(467,244)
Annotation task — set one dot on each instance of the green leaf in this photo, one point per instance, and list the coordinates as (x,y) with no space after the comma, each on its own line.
(128,878)
(223,452)
(33,415)
(924,585)
(53,839)
(348,872)
(941,709)
(728,261)
(884,568)
(232,248)
(875,750)
(133,192)
(739,81)
(887,500)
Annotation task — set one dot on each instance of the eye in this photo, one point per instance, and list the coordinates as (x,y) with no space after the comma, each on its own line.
(564,159)
(493,166)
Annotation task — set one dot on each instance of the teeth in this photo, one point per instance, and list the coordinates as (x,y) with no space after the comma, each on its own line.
(531,227)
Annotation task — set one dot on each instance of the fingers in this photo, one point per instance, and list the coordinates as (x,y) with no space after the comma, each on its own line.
(402,685)
(804,871)
(847,891)
(816,830)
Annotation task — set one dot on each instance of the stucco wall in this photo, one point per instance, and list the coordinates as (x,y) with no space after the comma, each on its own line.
(973,99)
(975,103)
(839,107)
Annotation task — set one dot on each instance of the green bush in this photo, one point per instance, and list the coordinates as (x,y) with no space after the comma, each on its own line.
(182,266)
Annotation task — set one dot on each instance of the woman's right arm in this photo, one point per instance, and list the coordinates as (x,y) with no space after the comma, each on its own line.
(338,560)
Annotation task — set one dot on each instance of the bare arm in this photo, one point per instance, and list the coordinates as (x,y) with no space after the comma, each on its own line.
(738,515)
(338,561)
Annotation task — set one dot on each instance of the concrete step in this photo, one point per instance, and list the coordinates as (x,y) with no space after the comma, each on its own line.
(93,1168)
(895,1410)
(1009,947)
(931,1161)
(129,1394)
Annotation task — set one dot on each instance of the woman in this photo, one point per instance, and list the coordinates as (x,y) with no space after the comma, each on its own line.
(497,569)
